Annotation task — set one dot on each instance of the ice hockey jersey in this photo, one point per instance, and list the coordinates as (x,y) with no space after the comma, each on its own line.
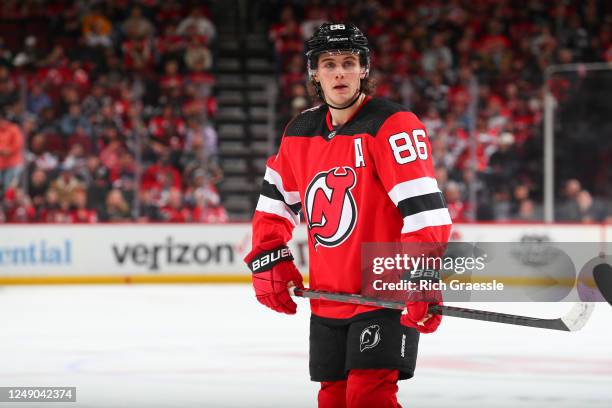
(369,180)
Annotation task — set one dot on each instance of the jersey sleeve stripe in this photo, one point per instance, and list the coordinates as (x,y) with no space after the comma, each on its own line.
(277,207)
(425,202)
(413,188)
(274,178)
(424,219)
(271,191)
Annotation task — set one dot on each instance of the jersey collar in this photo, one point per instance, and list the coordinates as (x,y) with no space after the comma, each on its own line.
(333,131)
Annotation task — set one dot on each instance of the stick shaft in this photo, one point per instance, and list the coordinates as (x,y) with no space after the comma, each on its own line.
(464,313)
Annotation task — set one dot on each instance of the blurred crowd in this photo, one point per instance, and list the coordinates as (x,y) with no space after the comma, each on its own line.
(106,112)
(107,108)
(473,71)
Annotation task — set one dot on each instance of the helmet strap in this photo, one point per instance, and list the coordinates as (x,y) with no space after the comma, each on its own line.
(321,96)
(355,99)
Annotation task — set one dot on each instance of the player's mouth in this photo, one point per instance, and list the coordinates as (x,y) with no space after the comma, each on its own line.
(340,87)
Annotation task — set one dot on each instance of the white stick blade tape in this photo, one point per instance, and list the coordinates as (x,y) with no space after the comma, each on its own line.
(577,317)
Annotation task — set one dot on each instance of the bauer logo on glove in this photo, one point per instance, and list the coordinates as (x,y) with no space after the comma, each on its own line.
(268,259)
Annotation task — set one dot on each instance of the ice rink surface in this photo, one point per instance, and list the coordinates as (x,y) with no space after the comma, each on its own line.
(215,346)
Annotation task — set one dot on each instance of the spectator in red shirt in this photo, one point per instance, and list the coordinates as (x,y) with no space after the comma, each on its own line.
(159,174)
(287,36)
(457,208)
(11,153)
(18,206)
(55,210)
(111,153)
(167,129)
(208,208)
(138,55)
(171,78)
(171,44)
(406,58)
(293,75)
(80,212)
(174,210)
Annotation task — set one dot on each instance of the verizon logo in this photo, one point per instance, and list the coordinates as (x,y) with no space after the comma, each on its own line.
(171,253)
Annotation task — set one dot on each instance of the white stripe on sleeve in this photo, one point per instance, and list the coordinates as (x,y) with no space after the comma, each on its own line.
(277,207)
(272,177)
(424,219)
(413,188)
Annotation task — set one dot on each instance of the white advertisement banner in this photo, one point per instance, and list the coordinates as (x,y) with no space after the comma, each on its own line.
(526,233)
(199,250)
(123,249)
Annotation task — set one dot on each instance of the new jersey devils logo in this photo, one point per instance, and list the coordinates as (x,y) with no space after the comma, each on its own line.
(369,338)
(330,206)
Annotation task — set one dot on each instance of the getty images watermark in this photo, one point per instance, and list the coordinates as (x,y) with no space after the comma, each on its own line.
(422,272)
(482,272)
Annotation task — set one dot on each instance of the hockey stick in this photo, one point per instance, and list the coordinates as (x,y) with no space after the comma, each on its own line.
(574,320)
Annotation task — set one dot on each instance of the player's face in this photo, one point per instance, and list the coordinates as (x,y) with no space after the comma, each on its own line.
(339,75)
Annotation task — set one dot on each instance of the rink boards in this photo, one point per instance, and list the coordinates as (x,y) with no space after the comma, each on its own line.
(188,253)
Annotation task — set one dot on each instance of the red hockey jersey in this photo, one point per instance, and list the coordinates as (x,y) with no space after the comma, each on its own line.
(370,180)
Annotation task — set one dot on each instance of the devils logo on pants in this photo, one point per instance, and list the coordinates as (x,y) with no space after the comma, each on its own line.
(330,206)
(370,337)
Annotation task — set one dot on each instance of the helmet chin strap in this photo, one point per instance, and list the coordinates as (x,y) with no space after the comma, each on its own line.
(321,95)
(355,99)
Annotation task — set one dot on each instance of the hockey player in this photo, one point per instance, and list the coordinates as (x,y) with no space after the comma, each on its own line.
(360,169)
